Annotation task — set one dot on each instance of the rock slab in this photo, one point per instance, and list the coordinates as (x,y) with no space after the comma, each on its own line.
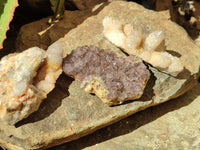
(70,113)
(172,125)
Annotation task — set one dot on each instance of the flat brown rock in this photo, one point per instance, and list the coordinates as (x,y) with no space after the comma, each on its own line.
(79,114)
(172,125)
(68,114)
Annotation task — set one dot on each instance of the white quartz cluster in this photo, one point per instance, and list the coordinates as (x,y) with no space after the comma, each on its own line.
(25,80)
(150,48)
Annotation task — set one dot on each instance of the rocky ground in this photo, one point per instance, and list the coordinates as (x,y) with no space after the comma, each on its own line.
(172,125)
(70,113)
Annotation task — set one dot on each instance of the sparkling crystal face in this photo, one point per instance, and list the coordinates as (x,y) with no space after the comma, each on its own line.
(121,77)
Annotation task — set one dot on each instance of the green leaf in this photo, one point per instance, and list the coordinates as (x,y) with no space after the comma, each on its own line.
(58,8)
(7,8)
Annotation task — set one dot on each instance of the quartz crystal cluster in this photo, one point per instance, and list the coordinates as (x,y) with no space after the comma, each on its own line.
(150,48)
(25,80)
(114,79)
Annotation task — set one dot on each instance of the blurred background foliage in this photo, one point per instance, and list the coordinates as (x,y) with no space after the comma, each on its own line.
(7,8)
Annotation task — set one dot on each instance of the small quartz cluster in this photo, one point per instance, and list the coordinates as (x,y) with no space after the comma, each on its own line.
(112,78)
(25,80)
(150,48)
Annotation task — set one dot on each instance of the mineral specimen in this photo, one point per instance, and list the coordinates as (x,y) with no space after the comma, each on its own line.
(25,80)
(151,49)
(112,78)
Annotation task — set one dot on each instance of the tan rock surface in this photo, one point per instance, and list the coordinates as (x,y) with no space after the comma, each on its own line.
(172,125)
(65,116)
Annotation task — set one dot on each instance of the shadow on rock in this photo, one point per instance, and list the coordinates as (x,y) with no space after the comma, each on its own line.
(53,101)
(131,123)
